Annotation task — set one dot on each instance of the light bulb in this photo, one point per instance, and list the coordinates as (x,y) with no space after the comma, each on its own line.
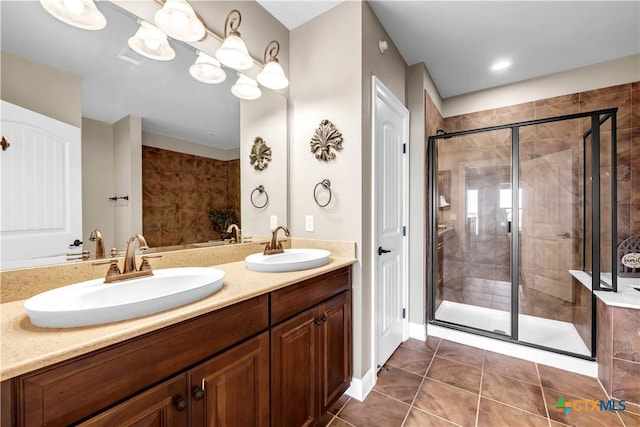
(152,44)
(76,7)
(179,19)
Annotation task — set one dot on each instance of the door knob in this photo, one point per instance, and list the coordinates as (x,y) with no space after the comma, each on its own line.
(382,251)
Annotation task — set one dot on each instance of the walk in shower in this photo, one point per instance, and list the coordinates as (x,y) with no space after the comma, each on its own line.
(514,211)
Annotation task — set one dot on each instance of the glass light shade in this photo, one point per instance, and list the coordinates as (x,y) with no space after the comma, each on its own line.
(152,43)
(233,53)
(272,76)
(246,88)
(207,70)
(178,20)
(78,13)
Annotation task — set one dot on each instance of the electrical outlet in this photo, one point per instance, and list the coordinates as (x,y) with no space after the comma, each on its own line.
(453,217)
(274,222)
(308,224)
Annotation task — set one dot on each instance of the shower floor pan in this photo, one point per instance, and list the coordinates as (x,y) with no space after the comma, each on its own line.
(535,330)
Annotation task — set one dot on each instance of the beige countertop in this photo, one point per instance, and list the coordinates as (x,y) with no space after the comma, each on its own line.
(24,348)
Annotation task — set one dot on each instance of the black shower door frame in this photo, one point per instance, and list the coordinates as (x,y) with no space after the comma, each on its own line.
(598,118)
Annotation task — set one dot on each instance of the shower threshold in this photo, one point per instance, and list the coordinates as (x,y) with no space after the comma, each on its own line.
(549,333)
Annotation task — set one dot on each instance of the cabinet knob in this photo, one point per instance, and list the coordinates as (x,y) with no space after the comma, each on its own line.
(197,393)
(181,404)
(320,320)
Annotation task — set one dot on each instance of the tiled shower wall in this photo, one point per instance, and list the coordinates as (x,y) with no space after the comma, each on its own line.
(179,190)
(541,290)
(625,97)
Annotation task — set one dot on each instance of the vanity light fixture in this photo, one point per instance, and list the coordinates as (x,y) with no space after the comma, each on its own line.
(246,88)
(78,13)
(149,41)
(178,20)
(272,75)
(501,65)
(233,52)
(207,69)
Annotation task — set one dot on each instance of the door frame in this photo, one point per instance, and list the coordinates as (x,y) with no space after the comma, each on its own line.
(379,90)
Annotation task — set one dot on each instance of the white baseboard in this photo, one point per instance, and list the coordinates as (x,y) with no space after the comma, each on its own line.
(418,331)
(360,388)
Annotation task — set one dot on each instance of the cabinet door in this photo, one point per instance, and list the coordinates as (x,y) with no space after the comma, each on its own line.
(232,389)
(335,348)
(161,406)
(294,371)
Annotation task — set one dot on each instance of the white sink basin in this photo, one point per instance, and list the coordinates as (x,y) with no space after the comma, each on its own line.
(94,302)
(290,260)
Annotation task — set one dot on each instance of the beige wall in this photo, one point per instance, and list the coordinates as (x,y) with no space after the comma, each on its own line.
(325,73)
(268,119)
(337,87)
(97,182)
(28,84)
(127,142)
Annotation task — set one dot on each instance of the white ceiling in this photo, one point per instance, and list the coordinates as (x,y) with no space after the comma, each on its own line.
(459,40)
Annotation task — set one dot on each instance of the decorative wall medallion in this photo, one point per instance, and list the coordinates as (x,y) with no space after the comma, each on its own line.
(260,154)
(325,138)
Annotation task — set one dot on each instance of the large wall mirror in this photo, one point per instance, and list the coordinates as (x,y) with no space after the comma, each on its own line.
(186,143)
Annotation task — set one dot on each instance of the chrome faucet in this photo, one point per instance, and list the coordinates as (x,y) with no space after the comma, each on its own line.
(130,254)
(236,234)
(96,236)
(275,246)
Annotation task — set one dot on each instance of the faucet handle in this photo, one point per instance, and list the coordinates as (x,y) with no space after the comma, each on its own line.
(114,270)
(84,255)
(144,264)
(116,252)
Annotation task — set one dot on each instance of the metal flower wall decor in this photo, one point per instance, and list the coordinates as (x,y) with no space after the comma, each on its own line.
(326,138)
(260,154)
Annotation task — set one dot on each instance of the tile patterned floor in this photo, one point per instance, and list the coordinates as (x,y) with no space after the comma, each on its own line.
(442,383)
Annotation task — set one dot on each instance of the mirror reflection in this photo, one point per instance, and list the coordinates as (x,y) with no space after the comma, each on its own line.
(160,150)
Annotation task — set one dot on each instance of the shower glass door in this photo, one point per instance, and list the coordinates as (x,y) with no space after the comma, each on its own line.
(473,195)
(523,229)
(551,169)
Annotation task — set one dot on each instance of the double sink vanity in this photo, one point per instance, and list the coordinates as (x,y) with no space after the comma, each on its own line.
(266,347)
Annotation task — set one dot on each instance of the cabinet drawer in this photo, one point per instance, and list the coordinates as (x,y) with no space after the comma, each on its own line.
(294,299)
(82,386)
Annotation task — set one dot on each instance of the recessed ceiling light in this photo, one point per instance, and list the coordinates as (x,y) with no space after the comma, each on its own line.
(501,65)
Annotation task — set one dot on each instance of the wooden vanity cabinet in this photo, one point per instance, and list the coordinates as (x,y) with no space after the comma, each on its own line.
(72,391)
(231,389)
(164,405)
(311,351)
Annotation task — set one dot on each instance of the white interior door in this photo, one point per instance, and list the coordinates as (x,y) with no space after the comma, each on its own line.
(41,188)
(390,133)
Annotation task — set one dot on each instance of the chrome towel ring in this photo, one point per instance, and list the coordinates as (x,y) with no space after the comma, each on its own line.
(260,189)
(326,184)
